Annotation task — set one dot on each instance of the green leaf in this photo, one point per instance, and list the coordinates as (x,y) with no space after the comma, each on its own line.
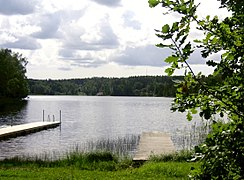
(189,116)
(187,47)
(160,45)
(165,28)
(175,27)
(169,71)
(171,59)
(193,111)
(197,41)
(208,17)
(182,41)
(153,3)
(211,63)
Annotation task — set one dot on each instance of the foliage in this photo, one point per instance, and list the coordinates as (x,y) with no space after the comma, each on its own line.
(221,153)
(13,83)
(132,86)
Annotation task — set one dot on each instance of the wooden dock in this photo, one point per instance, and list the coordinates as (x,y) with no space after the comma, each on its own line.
(23,129)
(153,143)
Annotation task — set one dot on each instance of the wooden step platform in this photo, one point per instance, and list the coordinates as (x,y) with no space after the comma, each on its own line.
(153,143)
(23,129)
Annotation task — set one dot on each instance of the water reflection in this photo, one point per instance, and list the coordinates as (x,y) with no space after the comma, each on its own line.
(12,112)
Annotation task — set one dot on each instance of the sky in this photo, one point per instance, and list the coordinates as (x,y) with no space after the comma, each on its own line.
(64,39)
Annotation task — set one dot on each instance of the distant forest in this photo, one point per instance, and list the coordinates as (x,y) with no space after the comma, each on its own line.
(131,86)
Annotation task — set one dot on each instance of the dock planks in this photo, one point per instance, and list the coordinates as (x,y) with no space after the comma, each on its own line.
(153,143)
(23,129)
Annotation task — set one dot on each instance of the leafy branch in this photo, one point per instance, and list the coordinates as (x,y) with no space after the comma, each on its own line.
(178,34)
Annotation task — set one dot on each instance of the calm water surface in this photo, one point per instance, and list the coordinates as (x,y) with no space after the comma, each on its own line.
(87,118)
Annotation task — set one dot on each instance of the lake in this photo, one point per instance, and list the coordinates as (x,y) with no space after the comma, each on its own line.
(87,118)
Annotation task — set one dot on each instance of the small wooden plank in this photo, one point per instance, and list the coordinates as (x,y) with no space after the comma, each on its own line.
(23,129)
(153,143)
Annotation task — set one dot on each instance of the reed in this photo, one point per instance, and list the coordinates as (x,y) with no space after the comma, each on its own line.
(119,149)
(120,146)
(102,161)
(191,136)
(179,156)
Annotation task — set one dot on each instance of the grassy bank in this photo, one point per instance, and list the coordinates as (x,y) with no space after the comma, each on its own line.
(169,170)
(97,165)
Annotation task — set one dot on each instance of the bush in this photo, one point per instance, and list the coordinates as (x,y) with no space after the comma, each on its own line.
(222,155)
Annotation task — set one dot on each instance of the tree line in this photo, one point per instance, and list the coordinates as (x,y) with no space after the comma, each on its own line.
(131,86)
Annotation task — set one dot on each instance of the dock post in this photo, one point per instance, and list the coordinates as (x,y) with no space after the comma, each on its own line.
(60,116)
(43,115)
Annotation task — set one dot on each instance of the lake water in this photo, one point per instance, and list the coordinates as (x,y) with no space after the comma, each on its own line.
(86,119)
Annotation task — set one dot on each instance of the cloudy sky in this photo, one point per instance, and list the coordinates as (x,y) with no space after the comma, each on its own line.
(89,38)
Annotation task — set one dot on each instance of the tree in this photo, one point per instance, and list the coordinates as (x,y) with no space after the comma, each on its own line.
(223,152)
(13,82)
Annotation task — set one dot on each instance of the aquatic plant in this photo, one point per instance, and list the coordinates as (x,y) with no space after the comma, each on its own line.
(191,136)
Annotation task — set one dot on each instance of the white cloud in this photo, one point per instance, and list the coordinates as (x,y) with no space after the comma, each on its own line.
(111,3)
(129,20)
(15,7)
(81,58)
(51,23)
(148,55)
(88,46)
(106,37)
(23,43)
(101,36)
(49,26)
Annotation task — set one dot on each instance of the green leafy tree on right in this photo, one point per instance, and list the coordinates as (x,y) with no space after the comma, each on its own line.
(222,154)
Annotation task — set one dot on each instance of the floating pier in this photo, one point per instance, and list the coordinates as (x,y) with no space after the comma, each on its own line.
(23,129)
(153,143)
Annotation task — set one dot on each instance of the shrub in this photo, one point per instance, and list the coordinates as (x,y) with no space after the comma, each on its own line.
(222,155)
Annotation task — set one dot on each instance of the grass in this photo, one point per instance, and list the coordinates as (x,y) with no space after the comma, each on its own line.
(96,165)
(180,156)
(147,171)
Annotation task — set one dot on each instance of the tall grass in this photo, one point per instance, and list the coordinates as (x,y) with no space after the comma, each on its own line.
(120,146)
(103,161)
(179,156)
(189,137)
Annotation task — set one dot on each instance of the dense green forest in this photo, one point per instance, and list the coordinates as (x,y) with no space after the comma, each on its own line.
(13,82)
(131,86)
